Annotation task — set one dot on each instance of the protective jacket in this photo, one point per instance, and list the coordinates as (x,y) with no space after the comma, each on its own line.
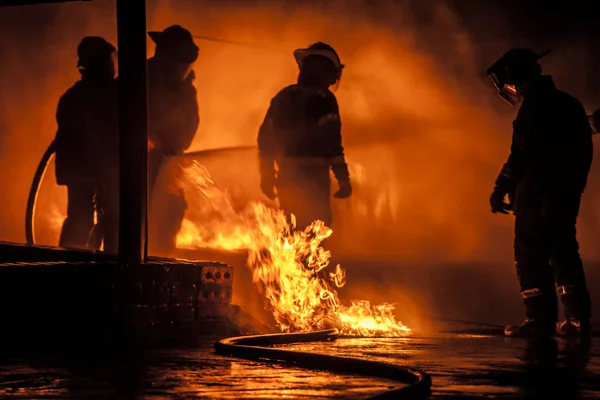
(87,135)
(172,112)
(303,124)
(552,144)
(301,133)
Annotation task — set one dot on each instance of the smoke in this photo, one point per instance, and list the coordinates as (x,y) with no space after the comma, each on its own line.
(424,133)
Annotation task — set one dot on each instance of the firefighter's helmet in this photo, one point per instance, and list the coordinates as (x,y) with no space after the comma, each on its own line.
(177,43)
(323,50)
(93,50)
(512,70)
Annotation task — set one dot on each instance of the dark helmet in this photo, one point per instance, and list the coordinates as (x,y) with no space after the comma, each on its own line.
(512,70)
(177,43)
(323,51)
(94,50)
(319,49)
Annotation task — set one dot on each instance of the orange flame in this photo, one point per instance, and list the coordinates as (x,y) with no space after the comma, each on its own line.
(287,265)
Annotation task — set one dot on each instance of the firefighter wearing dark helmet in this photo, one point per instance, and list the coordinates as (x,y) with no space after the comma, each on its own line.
(301,134)
(173,122)
(86,139)
(544,178)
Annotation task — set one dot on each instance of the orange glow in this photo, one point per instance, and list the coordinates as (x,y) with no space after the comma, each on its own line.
(423,140)
(56,218)
(285,264)
(427,152)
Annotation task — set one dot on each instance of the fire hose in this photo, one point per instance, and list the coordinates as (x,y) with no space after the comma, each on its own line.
(33,192)
(254,348)
(42,167)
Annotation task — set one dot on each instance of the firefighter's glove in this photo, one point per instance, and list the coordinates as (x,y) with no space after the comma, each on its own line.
(345,190)
(497,202)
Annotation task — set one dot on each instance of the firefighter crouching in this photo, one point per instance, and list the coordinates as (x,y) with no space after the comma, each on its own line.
(86,139)
(544,177)
(301,134)
(173,122)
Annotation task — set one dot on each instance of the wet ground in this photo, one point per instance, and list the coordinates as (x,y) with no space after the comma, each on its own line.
(460,365)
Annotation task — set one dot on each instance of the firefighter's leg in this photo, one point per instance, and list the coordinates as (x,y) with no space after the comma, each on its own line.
(567,264)
(155,163)
(80,216)
(534,274)
(290,202)
(169,223)
(110,222)
(97,233)
(305,192)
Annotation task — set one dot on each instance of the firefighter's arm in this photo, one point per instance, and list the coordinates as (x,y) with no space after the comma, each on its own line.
(520,151)
(177,120)
(266,153)
(185,118)
(330,126)
(190,120)
(62,120)
(68,134)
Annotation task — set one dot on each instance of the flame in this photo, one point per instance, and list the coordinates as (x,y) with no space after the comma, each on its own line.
(287,265)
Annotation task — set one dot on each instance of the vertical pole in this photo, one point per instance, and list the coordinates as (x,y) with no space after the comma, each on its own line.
(133,130)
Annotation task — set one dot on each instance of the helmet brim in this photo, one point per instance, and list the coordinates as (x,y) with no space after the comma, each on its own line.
(155,36)
(301,54)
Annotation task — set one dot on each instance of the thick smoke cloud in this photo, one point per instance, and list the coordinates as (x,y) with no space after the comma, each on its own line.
(425,134)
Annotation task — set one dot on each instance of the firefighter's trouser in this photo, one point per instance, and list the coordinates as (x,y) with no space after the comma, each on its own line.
(304,190)
(80,215)
(547,255)
(167,207)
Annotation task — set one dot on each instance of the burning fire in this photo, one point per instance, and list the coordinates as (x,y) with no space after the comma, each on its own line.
(288,265)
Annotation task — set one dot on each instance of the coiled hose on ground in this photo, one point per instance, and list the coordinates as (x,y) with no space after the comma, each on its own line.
(254,348)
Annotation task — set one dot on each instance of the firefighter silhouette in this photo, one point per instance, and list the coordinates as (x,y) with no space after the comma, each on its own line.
(544,178)
(301,136)
(87,137)
(173,121)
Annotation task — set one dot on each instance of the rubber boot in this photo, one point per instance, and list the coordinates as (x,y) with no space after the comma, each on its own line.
(530,328)
(572,327)
(577,307)
(541,313)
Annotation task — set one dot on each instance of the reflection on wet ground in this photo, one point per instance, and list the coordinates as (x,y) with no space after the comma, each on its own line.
(476,365)
(194,373)
(460,365)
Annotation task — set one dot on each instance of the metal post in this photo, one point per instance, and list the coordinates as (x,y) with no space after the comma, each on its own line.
(133,130)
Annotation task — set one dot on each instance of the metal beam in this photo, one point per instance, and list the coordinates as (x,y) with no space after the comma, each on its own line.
(11,3)
(133,130)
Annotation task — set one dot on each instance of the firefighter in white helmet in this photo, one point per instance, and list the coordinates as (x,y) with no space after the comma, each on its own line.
(300,140)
